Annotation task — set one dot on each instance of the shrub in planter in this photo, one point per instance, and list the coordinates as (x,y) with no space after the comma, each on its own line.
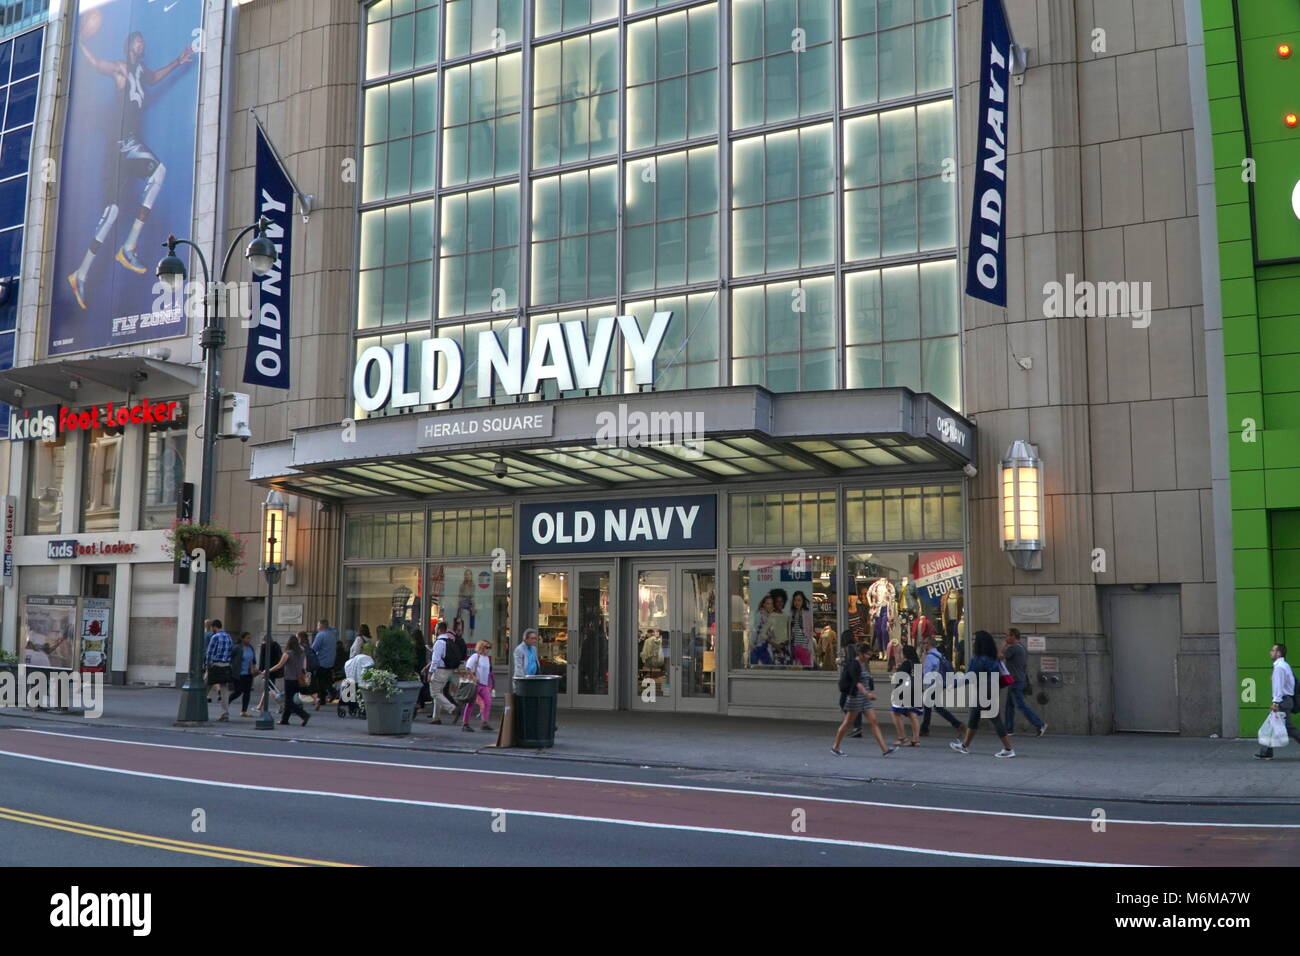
(396,653)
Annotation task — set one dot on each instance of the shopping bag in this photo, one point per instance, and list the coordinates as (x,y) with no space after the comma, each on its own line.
(1272,733)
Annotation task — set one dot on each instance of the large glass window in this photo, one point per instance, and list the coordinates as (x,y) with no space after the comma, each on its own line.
(474,600)
(479,251)
(688,357)
(390,534)
(470,531)
(475,26)
(902,328)
(412,340)
(164,471)
(783,204)
(101,485)
(783,60)
(896,200)
(672,77)
(894,49)
(481,120)
(45,463)
(395,283)
(466,335)
(671,220)
(400,35)
(552,16)
(792,518)
(399,138)
(913,513)
(573,245)
(381,597)
(907,596)
(783,335)
(783,612)
(575,99)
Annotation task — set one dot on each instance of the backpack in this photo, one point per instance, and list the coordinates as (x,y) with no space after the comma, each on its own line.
(453,653)
(945,665)
(849,676)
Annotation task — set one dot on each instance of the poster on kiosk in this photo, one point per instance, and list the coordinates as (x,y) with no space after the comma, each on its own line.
(49,631)
(96,621)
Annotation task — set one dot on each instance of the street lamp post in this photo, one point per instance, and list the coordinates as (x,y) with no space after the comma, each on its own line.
(261,256)
(272,562)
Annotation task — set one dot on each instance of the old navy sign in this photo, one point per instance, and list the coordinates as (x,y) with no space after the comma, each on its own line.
(267,360)
(682,522)
(986,254)
(558,352)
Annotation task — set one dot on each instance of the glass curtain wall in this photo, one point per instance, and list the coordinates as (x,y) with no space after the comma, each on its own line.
(780,174)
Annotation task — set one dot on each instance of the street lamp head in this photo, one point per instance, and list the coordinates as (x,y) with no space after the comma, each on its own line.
(261,254)
(171,270)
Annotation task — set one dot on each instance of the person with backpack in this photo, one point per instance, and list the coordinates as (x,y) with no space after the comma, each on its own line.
(447,657)
(855,683)
(936,662)
(985,661)
(848,650)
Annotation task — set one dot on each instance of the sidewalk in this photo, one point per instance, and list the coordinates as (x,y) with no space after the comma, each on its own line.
(1149,768)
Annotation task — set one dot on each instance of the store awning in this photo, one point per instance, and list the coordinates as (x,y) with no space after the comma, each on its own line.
(718,436)
(80,380)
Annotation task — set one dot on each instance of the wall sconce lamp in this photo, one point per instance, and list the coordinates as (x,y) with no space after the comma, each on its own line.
(1022,506)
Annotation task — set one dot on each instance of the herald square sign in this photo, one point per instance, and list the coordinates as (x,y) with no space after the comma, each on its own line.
(43,423)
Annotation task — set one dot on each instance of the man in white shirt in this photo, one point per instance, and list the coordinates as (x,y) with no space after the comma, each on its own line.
(440,673)
(1283,696)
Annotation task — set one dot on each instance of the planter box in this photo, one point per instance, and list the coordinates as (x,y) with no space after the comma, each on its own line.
(392,715)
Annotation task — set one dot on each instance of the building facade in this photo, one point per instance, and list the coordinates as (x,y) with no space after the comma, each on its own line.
(641,324)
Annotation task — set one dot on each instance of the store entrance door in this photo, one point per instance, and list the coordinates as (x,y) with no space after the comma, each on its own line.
(574,604)
(675,662)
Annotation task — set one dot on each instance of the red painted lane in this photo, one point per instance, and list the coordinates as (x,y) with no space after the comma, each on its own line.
(1065,840)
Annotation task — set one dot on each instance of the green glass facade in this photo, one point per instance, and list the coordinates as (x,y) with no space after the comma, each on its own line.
(1253,86)
(777,173)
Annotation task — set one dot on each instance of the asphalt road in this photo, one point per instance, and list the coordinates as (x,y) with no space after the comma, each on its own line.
(115,797)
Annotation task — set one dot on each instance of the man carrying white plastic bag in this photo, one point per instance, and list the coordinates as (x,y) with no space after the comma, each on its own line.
(1278,727)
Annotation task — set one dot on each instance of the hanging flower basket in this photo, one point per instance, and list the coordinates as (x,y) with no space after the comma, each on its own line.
(222,548)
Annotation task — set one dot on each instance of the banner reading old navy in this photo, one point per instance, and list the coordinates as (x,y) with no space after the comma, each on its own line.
(986,254)
(267,360)
(126,175)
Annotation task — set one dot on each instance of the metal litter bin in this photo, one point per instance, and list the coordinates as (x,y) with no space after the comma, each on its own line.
(536,699)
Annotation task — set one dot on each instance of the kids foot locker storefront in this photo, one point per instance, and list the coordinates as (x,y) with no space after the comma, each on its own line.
(712,568)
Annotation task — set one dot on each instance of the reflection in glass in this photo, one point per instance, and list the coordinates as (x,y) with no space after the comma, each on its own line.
(553,625)
(593,632)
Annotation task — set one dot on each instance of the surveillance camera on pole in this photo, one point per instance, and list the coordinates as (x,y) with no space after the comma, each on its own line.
(234,416)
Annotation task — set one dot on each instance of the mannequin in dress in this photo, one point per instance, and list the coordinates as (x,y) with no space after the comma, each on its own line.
(882,599)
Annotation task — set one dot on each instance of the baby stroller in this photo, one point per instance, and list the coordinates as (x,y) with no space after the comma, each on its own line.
(351,698)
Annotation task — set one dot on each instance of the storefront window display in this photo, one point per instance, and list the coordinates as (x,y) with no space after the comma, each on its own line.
(907,596)
(783,612)
(475,600)
(381,597)
(45,486)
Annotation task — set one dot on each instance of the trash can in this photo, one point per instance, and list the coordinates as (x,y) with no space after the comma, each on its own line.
(536,699)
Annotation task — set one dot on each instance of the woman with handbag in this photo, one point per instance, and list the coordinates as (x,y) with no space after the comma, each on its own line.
(985,661)
(479,666)
(293,664)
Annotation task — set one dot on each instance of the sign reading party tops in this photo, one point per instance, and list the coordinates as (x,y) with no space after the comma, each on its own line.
(559,352)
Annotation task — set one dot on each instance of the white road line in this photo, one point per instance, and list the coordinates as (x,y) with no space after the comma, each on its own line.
(569,816)
(673,786)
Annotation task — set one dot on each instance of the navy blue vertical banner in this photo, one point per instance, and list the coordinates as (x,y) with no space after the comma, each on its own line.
(267,360)
(986,254)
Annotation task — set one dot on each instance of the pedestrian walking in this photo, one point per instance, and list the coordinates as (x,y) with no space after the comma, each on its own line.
(936,662)
(1016,658)
(421,668)
(216,661)
(1283,696)
(443,663)
(525,657)
(848,650)
(911,714)
(984,661)
(324,647)
(264,663)
(243,670)
(360,641)
(855,681)
(207,636)
(480,665)
(293,665)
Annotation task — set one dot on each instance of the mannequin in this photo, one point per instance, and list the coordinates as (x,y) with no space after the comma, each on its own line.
(882,600)
(951,607)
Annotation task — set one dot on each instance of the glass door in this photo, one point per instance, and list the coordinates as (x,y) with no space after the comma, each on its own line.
(573,627)
(676,652)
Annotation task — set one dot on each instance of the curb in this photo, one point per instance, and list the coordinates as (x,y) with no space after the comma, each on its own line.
(601,760)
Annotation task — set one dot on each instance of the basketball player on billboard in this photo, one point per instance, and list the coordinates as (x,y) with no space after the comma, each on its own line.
(130,156)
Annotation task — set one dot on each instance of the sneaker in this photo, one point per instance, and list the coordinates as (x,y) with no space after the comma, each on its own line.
(1263,756)
(76,289)
(1005,753)
(1041,730)
(244,713)
(467,728)
(840,753)
(1011,733)
(224,717)
(126,257)
(305,718)
(435,720)
(886,753)
(958,746)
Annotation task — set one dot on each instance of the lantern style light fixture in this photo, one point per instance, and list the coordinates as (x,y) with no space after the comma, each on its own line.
(273,533)
(1022,506)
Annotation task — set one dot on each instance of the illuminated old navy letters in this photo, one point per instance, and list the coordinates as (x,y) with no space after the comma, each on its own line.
(559,352)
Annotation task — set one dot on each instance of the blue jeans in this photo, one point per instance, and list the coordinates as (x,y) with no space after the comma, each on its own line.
(1016,698)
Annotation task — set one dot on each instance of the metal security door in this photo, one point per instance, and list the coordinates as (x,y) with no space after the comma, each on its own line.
(1144,635)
